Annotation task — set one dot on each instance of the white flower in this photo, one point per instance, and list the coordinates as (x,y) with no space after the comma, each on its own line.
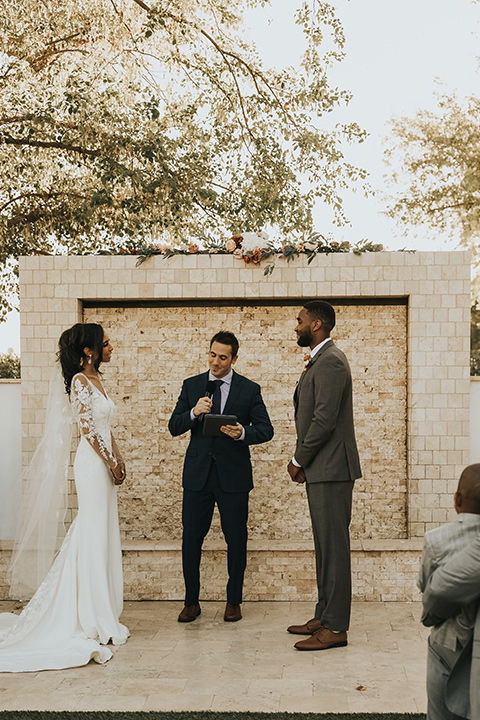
(310,246)
(252,241)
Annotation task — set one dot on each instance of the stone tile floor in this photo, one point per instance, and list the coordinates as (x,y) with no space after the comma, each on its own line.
(249,665)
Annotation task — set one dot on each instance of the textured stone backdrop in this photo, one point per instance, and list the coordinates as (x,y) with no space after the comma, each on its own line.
(157,347)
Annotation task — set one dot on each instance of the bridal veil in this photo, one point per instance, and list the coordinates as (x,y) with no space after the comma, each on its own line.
(40,527)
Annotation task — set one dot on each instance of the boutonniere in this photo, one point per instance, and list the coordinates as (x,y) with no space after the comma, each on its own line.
(307,361)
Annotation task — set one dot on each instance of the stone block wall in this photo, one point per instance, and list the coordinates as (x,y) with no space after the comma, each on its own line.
(403,320)
(157,347)
(277,570)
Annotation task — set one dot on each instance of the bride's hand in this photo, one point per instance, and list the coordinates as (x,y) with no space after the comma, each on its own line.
(119,473)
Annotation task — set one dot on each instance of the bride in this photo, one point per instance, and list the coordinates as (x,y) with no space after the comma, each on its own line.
(75,611)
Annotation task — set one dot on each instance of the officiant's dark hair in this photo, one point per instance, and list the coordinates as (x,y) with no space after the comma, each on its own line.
(322,310)
(70,349)
(224,337)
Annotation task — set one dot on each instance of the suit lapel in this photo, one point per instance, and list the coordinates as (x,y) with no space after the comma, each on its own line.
(235,388)
(309,369)
(202,384)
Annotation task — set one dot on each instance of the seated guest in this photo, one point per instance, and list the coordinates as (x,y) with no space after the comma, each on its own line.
(457,581)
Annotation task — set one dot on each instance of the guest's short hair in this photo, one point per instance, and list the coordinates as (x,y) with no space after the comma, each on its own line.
(224,337)
(321,310)
(469,486)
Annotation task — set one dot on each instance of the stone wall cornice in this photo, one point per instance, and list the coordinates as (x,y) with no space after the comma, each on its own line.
(212,276)
(412,545)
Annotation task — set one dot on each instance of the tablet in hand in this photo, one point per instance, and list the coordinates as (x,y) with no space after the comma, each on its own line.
(213,423)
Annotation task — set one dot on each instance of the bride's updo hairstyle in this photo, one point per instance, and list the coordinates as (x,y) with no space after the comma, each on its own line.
(71,344)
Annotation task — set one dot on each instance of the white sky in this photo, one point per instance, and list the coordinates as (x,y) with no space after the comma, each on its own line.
(397,54)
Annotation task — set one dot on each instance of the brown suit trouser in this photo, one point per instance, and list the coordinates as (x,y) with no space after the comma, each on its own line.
(330,505)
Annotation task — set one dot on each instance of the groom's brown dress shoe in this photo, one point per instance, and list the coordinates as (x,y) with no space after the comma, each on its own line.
(308,629)
(323,639)
(232,613)
(189,613)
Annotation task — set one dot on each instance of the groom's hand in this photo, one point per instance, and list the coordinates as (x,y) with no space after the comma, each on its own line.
(296,473)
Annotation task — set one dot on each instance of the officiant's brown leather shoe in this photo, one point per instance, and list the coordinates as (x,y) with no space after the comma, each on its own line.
(323,639)
(232,613)
(308,629)
(189,613)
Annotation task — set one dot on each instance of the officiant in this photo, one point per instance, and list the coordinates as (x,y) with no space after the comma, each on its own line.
(217,468)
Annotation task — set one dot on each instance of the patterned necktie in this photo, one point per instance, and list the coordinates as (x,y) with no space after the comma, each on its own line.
(217,399)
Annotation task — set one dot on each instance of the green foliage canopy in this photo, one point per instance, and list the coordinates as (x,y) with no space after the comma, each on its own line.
(9,365)
(435,161)
(122,120)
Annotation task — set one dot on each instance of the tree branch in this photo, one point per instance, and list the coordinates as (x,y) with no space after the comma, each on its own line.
(225,54)
(43,196)
(55,145)
(51,49)
(143,5)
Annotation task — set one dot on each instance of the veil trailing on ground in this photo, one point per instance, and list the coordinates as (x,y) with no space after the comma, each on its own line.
(41,528)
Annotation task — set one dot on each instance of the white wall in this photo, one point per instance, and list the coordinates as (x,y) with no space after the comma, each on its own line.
(10,455)
(475,420)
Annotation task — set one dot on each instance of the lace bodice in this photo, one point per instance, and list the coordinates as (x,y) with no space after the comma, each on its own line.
(93,413)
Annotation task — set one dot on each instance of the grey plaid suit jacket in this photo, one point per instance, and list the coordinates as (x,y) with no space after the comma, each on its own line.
(439,546)
(326,446)
(451,586)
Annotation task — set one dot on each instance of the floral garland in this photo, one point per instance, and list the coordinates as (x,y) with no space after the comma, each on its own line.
(253,247)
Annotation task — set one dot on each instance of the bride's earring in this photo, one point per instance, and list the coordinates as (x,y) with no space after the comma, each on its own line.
(89,359)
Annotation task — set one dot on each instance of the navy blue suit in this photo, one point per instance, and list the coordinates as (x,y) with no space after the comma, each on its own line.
(218,470)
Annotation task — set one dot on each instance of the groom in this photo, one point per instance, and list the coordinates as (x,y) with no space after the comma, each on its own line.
(326,459)
(218,469)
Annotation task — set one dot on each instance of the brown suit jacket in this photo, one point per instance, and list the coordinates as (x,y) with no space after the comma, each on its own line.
(326,445)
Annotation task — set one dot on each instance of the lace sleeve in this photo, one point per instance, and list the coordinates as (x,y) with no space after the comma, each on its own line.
(116,451)
(81,400)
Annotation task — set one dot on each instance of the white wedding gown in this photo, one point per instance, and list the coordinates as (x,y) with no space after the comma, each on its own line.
(75,611)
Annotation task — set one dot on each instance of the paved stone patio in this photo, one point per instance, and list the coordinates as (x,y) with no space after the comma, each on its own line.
(249,665)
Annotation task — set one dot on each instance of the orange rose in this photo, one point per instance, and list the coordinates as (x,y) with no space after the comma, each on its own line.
(257,255)
(230,245)
(193,248)
(247,258)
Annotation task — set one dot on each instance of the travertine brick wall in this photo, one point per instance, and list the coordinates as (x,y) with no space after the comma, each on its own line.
(276,571)
(435,291)
(157,347)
